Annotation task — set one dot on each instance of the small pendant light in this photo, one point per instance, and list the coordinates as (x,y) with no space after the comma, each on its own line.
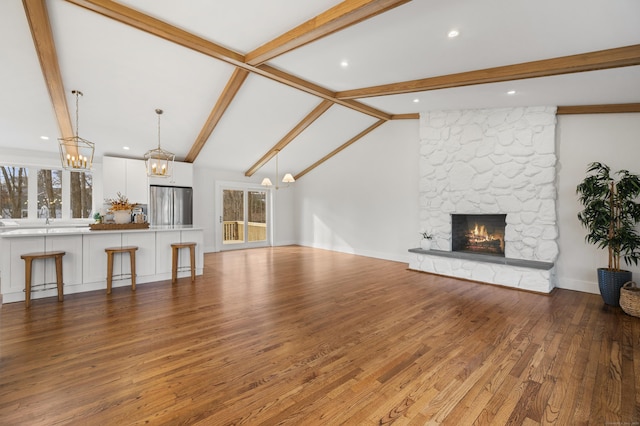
(159,161)
(76,154)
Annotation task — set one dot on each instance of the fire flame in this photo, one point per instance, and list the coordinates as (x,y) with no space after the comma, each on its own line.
(479,233)
(478,238)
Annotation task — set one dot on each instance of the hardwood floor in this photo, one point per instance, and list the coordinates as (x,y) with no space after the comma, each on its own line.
(300,336)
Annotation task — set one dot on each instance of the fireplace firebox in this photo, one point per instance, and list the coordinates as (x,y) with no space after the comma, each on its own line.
(478,233)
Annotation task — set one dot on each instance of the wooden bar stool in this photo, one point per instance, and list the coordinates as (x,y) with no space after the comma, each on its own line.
(28,259)
(174,259)
(132,258)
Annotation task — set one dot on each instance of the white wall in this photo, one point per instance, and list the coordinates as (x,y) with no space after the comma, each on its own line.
(204,205)
(612,139)
(365,199)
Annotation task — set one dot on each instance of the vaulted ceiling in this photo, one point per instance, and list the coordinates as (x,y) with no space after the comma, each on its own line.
(241,80)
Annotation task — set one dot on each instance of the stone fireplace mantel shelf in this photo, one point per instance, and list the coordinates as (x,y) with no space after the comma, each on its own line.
(533,264)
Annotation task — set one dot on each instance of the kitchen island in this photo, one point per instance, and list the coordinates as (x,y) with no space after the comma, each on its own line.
(85,262)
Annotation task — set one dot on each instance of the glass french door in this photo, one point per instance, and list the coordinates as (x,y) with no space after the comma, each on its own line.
(244,217)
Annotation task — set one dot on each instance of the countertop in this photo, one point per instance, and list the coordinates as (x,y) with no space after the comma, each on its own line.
(53,230)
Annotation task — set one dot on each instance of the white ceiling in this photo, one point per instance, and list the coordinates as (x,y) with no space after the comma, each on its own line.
(125,74)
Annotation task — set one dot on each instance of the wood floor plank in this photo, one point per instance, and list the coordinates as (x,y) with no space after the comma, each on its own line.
(301,336)
(578,405)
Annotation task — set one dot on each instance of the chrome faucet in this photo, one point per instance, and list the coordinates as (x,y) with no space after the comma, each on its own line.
(44,212)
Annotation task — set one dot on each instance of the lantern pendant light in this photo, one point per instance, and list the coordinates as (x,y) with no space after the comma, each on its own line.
(159,161)
(76,154)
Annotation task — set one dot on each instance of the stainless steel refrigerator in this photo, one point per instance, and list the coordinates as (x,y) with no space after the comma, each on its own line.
(170,205)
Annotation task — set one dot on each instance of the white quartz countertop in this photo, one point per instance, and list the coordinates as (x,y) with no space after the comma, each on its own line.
(6,225)
(44,231)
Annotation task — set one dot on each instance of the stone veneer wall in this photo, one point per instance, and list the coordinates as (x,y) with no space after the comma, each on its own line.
(491,161)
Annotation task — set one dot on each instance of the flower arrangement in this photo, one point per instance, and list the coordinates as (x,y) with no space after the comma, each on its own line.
(119,203)
(426,235)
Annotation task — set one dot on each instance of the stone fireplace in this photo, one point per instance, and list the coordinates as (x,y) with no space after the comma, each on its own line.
(490,162)
(478,233)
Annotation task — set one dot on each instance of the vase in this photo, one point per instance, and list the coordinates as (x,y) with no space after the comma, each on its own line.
(122,216)
(610,283)
(425,244)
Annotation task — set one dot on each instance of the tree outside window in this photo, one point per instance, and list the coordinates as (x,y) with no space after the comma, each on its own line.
(257,206)
(81,194)
(13,192)
(49,193)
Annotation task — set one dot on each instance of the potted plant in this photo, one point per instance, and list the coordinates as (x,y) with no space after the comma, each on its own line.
(121,208)
(425,242)
(610,214)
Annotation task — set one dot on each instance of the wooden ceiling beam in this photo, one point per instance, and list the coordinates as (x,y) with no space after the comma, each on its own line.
(409,116)
(337,18)
(299,128)
(591,61)
(40,26)
(231,89)
(598,109)
(340,148)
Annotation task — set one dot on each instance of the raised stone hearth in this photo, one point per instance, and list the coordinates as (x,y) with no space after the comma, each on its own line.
(526,274)
(491,161)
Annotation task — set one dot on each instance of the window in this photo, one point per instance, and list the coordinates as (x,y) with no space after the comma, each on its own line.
(53,193)
(13,192)
(49,193)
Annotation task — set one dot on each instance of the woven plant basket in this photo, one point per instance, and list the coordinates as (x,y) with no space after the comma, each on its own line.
(630,299)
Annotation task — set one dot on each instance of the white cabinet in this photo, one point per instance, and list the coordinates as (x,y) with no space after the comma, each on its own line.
(13,267)
(127,176)
(43,271)
(163,250)
(71,261)
(94,258)
(145,255)
(137,183)
(197,237)
(182,176)
(85,262)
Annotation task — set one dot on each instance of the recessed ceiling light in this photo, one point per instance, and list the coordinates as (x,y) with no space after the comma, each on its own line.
(344,64)
(511,92)
(126,148)
(453,33)
(44,138)
(416,100)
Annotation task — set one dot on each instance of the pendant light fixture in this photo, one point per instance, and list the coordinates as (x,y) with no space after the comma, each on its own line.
(288,178)
(76,154)
(159,161)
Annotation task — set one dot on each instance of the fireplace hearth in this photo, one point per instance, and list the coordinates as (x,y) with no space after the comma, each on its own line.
(478,233)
